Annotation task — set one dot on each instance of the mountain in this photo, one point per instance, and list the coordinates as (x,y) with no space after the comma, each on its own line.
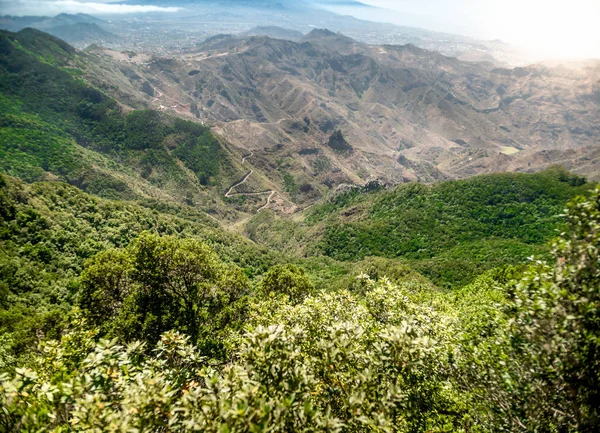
(16,23)
(83,34)
(149,280)
(291,122)
(408,113)
(510,216)
(273,32)
(402,114)
(61,128)
(79,30)
(58,127)
(198,19)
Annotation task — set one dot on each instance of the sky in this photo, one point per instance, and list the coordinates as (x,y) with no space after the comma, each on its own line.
(552,28)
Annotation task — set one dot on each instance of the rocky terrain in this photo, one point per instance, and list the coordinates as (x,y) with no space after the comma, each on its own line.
(328,110)
(406,113)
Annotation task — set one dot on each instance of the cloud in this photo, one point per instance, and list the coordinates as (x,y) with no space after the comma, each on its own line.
(54,7)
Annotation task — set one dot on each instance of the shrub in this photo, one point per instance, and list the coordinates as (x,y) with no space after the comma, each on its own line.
(289,280)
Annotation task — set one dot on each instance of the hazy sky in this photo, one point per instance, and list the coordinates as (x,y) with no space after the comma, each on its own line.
(552,28)
(55,7)
(566,28)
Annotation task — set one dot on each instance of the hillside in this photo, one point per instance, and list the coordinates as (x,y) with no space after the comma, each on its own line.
(61,127)
(409,114)
(79,30)
(50,229)
(405,114)
(449,231)
(173,264)
(168,330)
(274,32)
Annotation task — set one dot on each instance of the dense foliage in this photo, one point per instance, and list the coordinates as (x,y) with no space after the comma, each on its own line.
(509,352)
(47,232)
(288,280)
(55,124)
(450,230)
(159,284)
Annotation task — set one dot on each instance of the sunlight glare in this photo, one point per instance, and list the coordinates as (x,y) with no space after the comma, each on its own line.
(548,28)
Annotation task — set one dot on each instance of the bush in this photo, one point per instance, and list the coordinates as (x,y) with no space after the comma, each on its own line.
(499,355)
(288,280)
(158,284)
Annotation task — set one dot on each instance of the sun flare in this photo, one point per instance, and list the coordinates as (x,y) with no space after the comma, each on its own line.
(548,28)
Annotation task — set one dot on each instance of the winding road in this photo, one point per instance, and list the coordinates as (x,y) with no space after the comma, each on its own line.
(268,202)
(247,156)
(244,179)
(230,192)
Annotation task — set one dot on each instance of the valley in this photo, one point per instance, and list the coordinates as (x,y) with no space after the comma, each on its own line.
(269,193)
(293,229)
(408,114)
(194,21)
(403,114)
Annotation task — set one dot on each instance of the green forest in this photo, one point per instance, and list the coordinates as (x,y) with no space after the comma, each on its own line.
(54,124)
(461,306)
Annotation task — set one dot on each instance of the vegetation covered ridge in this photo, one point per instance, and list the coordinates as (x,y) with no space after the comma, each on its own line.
(450,231)
(48,230)
(516,350)
(55,125)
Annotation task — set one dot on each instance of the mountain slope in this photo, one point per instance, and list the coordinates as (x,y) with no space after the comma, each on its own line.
(409,114)
(274,32)
(48,230)
(79,30)
(403,113)
(56,126)
(450,231)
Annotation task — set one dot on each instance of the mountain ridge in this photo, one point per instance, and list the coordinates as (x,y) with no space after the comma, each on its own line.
(336,82)
(406,113)
(79,29)
(274,32)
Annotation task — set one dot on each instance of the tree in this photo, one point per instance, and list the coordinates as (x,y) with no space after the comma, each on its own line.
(288,280)
(158,284)
(105,283)
(556,324)
(338,142)
(540,367)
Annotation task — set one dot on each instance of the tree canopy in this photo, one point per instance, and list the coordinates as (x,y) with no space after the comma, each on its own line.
(516,350)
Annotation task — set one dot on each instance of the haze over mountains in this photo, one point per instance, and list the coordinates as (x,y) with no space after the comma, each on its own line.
(80,30)
(309,101)
(181,24)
